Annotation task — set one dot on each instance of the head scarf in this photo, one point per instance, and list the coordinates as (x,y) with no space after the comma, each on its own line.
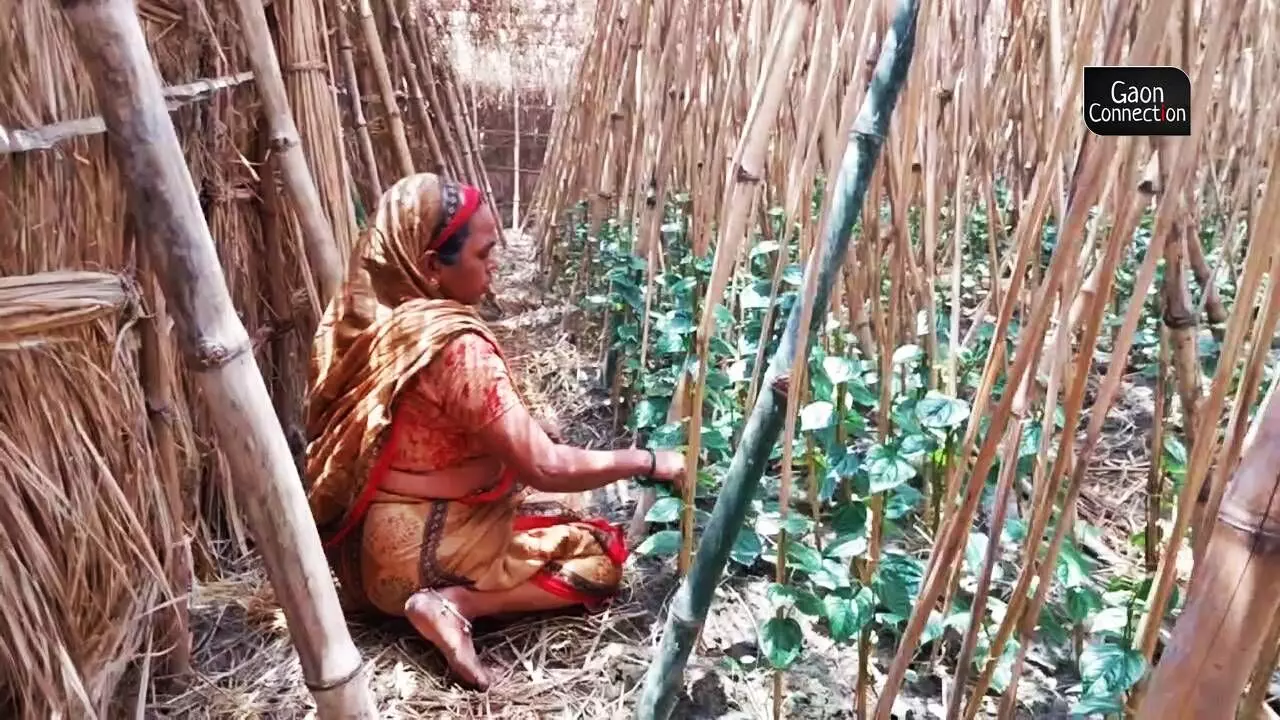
(386,324)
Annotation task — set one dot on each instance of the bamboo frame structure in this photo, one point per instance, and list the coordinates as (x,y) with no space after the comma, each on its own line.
(216,346)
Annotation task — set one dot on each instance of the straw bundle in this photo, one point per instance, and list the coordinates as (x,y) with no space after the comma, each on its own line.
(84,520)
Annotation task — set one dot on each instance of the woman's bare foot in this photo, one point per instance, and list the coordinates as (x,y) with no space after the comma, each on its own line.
(436,617)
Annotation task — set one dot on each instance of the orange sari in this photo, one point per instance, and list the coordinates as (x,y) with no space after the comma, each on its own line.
(493,540)
(404,381)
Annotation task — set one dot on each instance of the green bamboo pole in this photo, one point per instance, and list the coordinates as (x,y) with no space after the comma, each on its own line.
(693,599)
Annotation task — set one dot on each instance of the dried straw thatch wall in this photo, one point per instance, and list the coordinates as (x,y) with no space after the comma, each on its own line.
(86,535)
(92,527)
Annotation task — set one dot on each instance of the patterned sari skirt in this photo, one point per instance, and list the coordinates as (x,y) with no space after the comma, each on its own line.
(489,542)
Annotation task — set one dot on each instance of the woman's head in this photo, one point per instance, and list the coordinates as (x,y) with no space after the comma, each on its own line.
(431,238)
(462,266)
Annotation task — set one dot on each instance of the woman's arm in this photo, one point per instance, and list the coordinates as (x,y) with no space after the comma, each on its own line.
(472,384)
(520,441)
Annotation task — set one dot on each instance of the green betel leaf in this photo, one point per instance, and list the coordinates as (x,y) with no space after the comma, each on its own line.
(1074,568)
(1107,671)
(862,394)
(797,525)
(1092,705)
(661,544)
(684,285)
(650,412)
(848,545)
(752,299)
(848,611)
(897,582)
(665,510)
(803,557)
(838,369)
(670,343)
(886,469)
(782,641)
(850,519)
(833,576)
(764,247)
(670,435)
(941,412)
(784,596)
(747,548)
(724,318)
(906,353)
(816,416)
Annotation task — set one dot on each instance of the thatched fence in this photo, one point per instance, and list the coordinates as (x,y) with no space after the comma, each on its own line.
(108,470)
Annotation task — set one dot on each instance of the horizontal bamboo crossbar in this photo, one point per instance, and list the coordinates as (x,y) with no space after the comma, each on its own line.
(19,140)
(34,306)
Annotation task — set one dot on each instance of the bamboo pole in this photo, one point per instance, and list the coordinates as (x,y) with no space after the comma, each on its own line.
(156,367)
(1222,630)
(1254,704)
(693,598)
(382,72)
(515,157)
(217,349)
(346,56)
(327,264)
(410,70)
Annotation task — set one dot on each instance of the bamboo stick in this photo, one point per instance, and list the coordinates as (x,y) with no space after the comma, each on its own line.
(693,598)
(1220,633)
(327,264)
(156,367)
(417,101)
(747,175)
(22,140)
(515,158)
(368,158)
(1254,704)
(382,73)
(217,348)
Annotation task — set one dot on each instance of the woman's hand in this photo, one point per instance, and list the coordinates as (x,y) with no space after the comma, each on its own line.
(669,467)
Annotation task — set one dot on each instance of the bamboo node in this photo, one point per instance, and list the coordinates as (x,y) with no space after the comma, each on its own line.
(1262,531)
(160,411)
(863,134)
(781,385)
(1176,319)
(281,142)
(213,354)
(746,176)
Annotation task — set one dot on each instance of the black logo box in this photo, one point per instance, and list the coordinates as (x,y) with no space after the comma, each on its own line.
(1143,100)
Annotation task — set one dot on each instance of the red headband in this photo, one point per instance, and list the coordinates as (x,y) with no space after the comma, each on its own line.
(468,203)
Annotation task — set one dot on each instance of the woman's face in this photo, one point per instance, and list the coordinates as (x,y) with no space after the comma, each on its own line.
(468,279)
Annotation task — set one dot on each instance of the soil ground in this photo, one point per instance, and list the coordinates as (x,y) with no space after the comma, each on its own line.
(589,665)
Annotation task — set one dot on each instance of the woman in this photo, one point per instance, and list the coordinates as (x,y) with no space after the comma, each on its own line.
(424,459)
